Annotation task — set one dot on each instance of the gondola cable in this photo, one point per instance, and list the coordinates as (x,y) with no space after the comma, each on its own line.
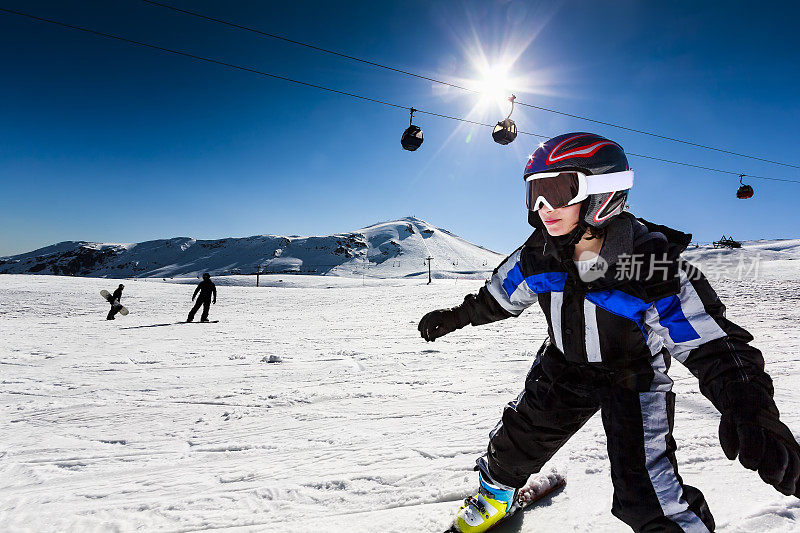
(344,93)
(461,87)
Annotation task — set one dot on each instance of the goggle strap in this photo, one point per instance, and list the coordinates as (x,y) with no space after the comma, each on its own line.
(616,181)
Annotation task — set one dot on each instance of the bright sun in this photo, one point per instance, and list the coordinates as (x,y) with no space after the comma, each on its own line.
(494,86)
(492,73)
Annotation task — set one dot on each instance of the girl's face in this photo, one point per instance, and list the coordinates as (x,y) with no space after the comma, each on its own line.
(560,221)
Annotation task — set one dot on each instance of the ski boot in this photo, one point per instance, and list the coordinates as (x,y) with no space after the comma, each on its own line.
(483,511)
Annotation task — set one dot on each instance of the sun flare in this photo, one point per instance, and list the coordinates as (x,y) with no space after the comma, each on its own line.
(495,86)
(493,68)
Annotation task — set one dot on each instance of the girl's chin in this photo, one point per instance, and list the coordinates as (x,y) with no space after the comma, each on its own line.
(558,231)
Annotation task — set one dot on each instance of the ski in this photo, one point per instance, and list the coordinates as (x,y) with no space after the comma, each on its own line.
(534,490)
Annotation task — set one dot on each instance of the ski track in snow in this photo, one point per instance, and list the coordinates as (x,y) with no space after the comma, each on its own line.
(148,424)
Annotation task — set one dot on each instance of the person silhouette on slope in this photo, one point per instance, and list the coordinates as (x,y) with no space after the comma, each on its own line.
(208,295)
(116,304)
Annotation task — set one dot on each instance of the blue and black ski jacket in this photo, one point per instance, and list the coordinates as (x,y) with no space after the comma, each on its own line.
(627,325)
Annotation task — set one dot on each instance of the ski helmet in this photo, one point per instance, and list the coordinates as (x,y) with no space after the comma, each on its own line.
(588,155)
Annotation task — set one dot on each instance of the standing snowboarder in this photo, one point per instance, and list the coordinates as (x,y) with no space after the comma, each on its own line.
(207,291)
(116,302)
(620,303)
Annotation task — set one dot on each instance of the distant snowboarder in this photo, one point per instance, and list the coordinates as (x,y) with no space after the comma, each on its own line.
(620,304)
(115,301)
(208,295)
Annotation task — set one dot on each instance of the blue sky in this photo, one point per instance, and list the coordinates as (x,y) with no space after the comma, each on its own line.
(105,141)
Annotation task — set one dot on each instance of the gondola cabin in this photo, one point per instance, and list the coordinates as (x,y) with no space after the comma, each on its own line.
(412,138)
(744,192)
(505,132)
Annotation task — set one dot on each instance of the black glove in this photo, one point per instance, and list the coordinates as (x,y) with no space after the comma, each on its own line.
(441,322)
(751,428)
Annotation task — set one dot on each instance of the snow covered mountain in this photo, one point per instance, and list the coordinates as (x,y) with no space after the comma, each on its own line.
(393,249)
(773,259)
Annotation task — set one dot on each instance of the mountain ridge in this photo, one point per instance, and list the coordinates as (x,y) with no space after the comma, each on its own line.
(394,248)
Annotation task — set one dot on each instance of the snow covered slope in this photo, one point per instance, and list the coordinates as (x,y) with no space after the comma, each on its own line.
(391,249)
(776,259)
(146,424)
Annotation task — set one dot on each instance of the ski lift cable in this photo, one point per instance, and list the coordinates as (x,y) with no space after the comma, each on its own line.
(201,58)
(461,87)
(651,134)
(345,93)
(307,45)
(251,70)
(739,174)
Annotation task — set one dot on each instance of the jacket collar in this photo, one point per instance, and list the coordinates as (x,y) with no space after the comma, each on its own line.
(626,237)
(619,241)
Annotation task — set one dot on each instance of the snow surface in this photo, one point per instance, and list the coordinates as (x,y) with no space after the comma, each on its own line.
(392,249)
(313,405)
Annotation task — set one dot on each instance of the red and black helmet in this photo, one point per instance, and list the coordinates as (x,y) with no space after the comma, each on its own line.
(588,155)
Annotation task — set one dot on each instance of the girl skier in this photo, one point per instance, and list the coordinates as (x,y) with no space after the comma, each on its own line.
(620,303)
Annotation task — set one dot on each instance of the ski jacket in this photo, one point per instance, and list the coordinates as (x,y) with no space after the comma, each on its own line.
(624,329)
(206,288)
(117,295)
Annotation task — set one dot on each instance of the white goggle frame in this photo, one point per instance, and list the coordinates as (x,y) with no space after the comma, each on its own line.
(600,183)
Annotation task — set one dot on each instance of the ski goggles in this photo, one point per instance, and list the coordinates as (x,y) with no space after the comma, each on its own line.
(560,189)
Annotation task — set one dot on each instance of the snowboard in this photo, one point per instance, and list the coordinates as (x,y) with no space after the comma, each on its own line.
(537,488)
(107,295)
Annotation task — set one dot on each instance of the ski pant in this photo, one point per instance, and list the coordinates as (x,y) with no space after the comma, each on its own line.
(206,303)
(113,311)
(558,399)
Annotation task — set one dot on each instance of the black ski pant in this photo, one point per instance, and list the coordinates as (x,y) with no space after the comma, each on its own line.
(113,311)
(206,303)
(558,399)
